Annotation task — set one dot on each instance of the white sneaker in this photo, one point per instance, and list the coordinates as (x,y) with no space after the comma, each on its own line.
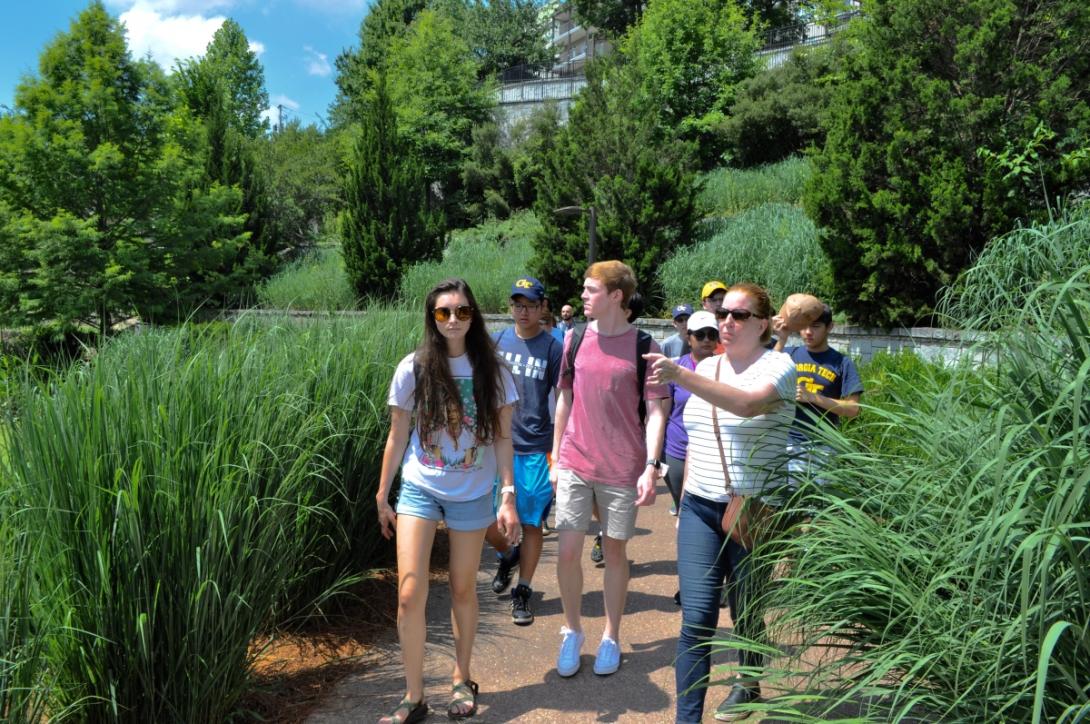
(567,663)
(608,659)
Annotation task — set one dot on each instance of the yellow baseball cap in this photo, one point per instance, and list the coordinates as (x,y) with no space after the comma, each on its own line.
(711,288)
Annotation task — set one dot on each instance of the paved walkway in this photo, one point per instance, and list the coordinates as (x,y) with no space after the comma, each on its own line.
(515,666)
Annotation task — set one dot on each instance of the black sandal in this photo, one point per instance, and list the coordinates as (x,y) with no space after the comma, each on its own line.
(414,712)
(463,694)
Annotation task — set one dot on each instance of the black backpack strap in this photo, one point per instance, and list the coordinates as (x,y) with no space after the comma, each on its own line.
(577,333)
(643,346)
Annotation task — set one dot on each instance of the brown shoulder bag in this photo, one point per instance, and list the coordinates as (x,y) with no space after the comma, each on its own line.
(745,517)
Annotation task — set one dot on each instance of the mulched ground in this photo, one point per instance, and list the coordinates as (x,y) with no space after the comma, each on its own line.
(298,668)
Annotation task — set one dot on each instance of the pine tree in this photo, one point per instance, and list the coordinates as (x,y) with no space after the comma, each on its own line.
(389,222)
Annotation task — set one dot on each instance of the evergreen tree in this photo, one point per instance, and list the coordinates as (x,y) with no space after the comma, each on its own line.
(225,89)
(230,57)
(92,173)
(612,155)
(953,123)
(388,222)
(386,20)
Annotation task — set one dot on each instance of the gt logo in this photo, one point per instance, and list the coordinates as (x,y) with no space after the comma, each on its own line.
(524,284)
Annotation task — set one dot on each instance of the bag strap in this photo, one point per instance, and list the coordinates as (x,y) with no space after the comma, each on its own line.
(718,435)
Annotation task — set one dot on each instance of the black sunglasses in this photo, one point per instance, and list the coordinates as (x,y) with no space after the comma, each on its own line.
(740,315)
(464,313)
(702,334)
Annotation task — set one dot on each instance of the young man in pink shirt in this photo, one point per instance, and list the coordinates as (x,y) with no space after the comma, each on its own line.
(604,456)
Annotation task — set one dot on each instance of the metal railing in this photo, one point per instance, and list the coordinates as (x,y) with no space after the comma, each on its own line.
(789,36)
(527,73)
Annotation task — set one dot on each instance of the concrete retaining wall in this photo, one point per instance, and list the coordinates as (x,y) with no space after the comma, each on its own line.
(861,343)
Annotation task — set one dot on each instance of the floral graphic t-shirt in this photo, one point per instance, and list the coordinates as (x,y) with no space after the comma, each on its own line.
(450,468)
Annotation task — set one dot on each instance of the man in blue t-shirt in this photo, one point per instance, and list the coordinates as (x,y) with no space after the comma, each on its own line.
(533,354)
(829,388)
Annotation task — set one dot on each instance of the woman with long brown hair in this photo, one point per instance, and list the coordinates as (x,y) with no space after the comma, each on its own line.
(450,431)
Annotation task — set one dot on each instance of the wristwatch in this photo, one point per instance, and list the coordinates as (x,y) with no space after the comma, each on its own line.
(654,462)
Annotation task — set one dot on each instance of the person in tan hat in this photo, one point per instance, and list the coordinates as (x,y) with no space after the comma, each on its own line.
(712,295)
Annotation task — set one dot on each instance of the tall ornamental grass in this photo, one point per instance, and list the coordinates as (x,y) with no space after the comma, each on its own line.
(730,191)
(188,490)
(1010,268)
(774,245)
(25,681)
(489,257)
(315,281)
(941,574)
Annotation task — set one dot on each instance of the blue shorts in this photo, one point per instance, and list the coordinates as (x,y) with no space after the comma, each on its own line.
(460,515)
(533,491)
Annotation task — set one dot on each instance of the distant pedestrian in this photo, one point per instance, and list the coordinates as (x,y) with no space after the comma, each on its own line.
(829,388)
(599,445)
(677,344)
(737,421)
(451,403)
(712,295)
(533,356)
(567,318)
(703,336)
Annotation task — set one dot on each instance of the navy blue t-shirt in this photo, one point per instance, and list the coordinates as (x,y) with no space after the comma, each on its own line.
(535,364)
(828,373)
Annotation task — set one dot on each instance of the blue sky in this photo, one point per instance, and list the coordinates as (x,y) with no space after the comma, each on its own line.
(297,41)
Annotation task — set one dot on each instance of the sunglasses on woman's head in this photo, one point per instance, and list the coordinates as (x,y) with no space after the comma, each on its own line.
(463,312)
(740,315)
(702,334)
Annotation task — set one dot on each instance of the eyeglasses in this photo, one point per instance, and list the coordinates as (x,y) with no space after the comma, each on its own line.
(526,307)
(463,312)
(702,334)
(740,315)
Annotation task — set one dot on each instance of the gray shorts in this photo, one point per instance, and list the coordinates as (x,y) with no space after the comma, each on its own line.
(575,499)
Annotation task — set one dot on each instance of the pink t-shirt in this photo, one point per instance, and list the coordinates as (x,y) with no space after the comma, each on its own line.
(604,440)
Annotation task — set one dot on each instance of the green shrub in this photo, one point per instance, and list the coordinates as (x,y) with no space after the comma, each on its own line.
(730,191)
(778,112)
(188,491)
(490,257)
(315,281)
(948,127)
(774,245)
(946,564)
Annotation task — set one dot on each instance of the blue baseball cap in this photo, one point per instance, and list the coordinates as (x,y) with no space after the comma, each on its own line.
(682,310)
(528,287)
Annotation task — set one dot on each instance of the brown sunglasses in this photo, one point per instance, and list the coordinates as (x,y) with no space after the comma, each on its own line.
(463,313)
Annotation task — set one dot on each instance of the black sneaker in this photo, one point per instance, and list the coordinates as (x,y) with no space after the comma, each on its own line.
(521,613)
(739,694)
(596,549)
(507,561)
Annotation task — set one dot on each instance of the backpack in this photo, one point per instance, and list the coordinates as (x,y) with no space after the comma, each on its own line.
(643,346)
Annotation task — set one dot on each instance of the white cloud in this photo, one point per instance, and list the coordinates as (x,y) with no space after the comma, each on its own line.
(317,63)
(257,47)
(168,38)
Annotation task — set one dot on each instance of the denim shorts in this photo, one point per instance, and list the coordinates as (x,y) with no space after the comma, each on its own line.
(464,515)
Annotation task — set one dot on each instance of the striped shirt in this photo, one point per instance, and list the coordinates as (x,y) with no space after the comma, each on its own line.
(755,447)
